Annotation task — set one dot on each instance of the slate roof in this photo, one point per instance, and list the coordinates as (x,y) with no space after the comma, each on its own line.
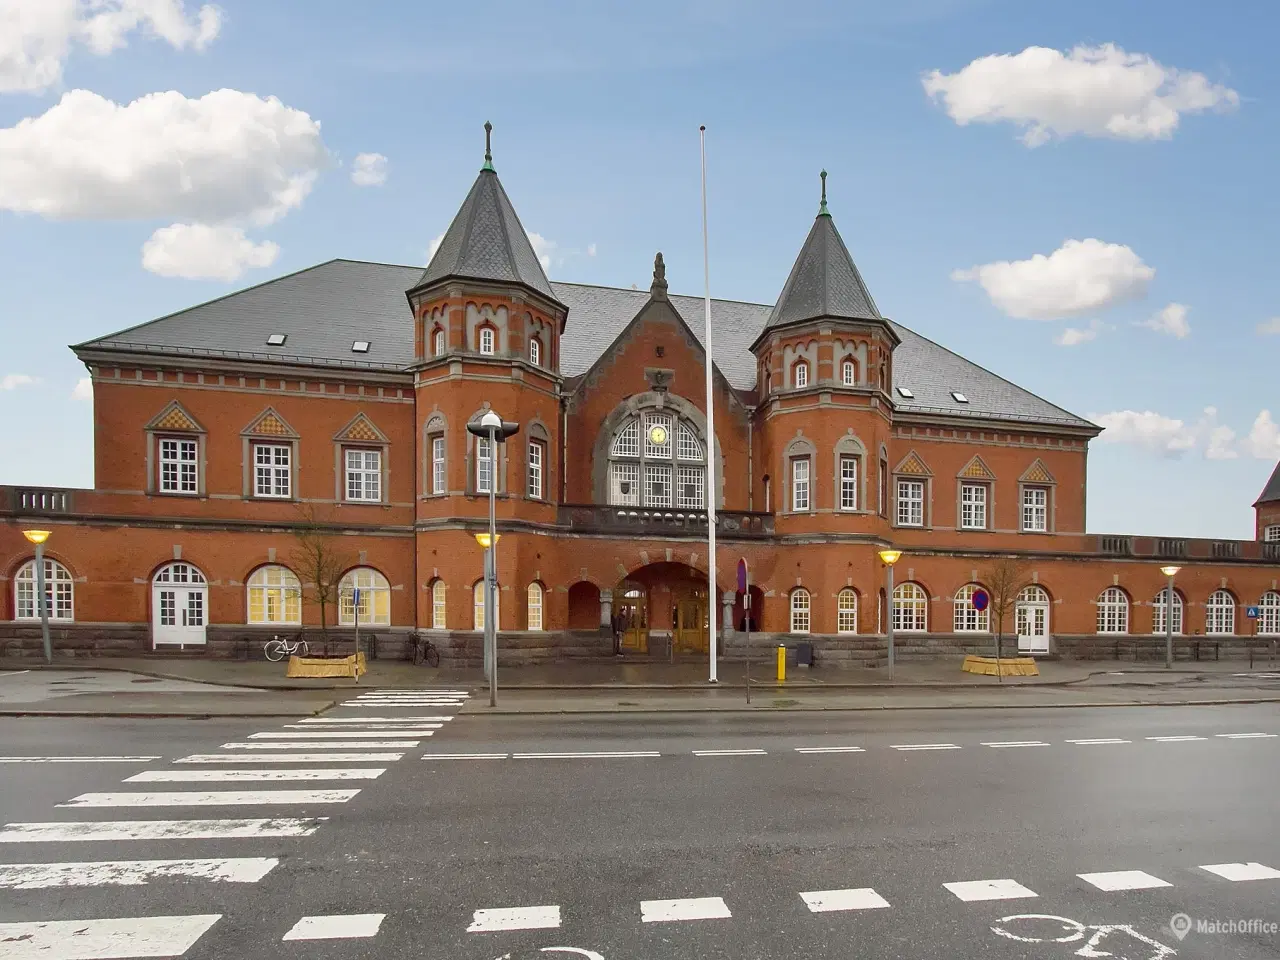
(824,282)
(324,308)
(1271,492)
(487,242)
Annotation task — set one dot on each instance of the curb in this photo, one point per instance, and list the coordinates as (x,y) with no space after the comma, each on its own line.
(134,715)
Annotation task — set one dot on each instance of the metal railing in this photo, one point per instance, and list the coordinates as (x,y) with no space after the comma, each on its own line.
(662,521)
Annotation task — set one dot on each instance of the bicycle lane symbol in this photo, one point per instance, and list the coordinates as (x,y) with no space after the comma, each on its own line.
(1117,941)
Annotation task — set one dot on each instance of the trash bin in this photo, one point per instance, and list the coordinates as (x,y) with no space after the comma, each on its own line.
(800,654)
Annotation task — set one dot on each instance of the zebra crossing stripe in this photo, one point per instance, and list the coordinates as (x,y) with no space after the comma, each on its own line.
(689,908)
(830,750)
(215,798)
(368,720)
(292,758)
(324,745)
(347,926)
(827,901)
(232,776)
(104,939)
(342,734)
(131,873)
(78,759)
(159,830)
(925,746)
(515,918)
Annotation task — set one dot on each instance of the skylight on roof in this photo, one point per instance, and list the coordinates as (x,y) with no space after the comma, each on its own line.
(904,392)
(277,339)
(360,346)
(959,397)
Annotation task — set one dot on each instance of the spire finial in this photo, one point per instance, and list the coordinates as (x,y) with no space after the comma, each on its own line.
(488,149)
(658,289)
(822,207)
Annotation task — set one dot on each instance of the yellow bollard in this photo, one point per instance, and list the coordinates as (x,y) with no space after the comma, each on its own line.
(782,663)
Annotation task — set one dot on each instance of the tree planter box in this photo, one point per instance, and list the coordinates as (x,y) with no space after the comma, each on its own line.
(352,666)
(1004,667)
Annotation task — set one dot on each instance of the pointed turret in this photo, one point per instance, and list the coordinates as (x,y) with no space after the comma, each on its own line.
(1271,492)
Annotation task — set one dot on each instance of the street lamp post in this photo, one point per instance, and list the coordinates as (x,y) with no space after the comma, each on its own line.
(496,430)
(889,558)
(1169,572)
(38,537)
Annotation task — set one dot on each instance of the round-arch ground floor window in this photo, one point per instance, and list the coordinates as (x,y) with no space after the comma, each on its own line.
(59,591)
(275,596)
(477,615)
(375,598)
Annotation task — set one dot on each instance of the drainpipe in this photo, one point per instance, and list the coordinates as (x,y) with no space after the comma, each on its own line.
(751,462)
(564,444)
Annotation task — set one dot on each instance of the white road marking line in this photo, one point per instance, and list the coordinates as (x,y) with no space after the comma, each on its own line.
(392,691)
(1181,739)
(1236,872)
(341,735)
(587,755)
(213,798)
(514,918)
(692,908)
(1001,744)
(826,901)
(292,758)
(1245,736)
(753,752)
(382,729)
(1098,741)
(131,873)
(78,759)
(1123,880)
(975,890)
(370,720)
(103,939)
(465,756)
(924,746)
(336,927)
(323,745)
(830,750)
(12,673)
(226,776)
(159,830)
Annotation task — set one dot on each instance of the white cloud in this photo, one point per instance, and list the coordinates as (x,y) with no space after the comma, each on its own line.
(1091,91)
(1079,277)
(435,245)
(1221,444)
(1269,327)
(543,249)
(12,381)
(1148,430)
(227,155)
(1263,441)
(369,170)
(1172,320)
(591,249)
(1073,336)
(198,251)
(36,35)
(83,389)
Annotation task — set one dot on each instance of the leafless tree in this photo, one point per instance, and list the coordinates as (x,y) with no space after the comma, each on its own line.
(319,560)
(1003,578)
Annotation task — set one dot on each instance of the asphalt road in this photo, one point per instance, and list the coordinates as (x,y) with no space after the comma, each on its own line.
(439,843)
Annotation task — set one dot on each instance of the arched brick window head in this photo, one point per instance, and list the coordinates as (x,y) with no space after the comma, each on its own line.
(488,340)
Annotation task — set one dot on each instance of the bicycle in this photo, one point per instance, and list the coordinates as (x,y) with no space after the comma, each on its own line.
(425,650)
(276,649)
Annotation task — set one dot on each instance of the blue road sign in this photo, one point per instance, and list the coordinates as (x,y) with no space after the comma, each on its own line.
(1252,612)
(980,600)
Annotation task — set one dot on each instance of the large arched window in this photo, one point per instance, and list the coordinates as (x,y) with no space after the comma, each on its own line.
(1157,613)
(967,617)
(800,610)
(535,605)
(910,608)
(1269,614)
(657,460)
(477,606)
(375,598)
(275,596)
(1220,613)
(437,605)
(59,591)
(1113,611)
(847,611)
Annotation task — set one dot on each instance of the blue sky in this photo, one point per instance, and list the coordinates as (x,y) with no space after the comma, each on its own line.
(1165,185)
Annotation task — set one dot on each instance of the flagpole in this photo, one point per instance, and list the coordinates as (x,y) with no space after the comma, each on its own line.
(712,598)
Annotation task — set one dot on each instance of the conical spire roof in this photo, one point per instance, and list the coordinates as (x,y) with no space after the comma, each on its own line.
(486,240)
(1271,492)
(824,281)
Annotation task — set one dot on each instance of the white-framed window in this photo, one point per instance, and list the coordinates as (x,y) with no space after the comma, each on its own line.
(657,460)
(973,506)
(687,445)
(535,468)
(535,351)
(848,483)
(657,485)
(800,484)
(1113,611)
(848,373)
(364,475)
(911,503)
(689,488)
(847,611)
(657,435)
(626,443)
(624,484)
(438,343)
(487,340)
(484,464)
(375,598)
(1269,614)
(1271,533)
(179,465)
(1157,613)
(1220,614)
(59,591)
(477,606)
(274,595)
(437,605)
(910,608)
(437,464)
(800,374)
(967,618)
(800,610)
(272,470)
(535,605)
(1035,509)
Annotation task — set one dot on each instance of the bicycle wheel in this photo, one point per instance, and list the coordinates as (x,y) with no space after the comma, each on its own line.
(302,649)
(274,650)
(432,655)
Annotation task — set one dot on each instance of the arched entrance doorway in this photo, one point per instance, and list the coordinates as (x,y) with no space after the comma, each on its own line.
(664,607)
(179,605)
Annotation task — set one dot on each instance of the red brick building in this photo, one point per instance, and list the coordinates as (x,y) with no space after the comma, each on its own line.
(334,401)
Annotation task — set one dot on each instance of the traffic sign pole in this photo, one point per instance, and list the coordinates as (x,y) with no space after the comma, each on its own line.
(744,587)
